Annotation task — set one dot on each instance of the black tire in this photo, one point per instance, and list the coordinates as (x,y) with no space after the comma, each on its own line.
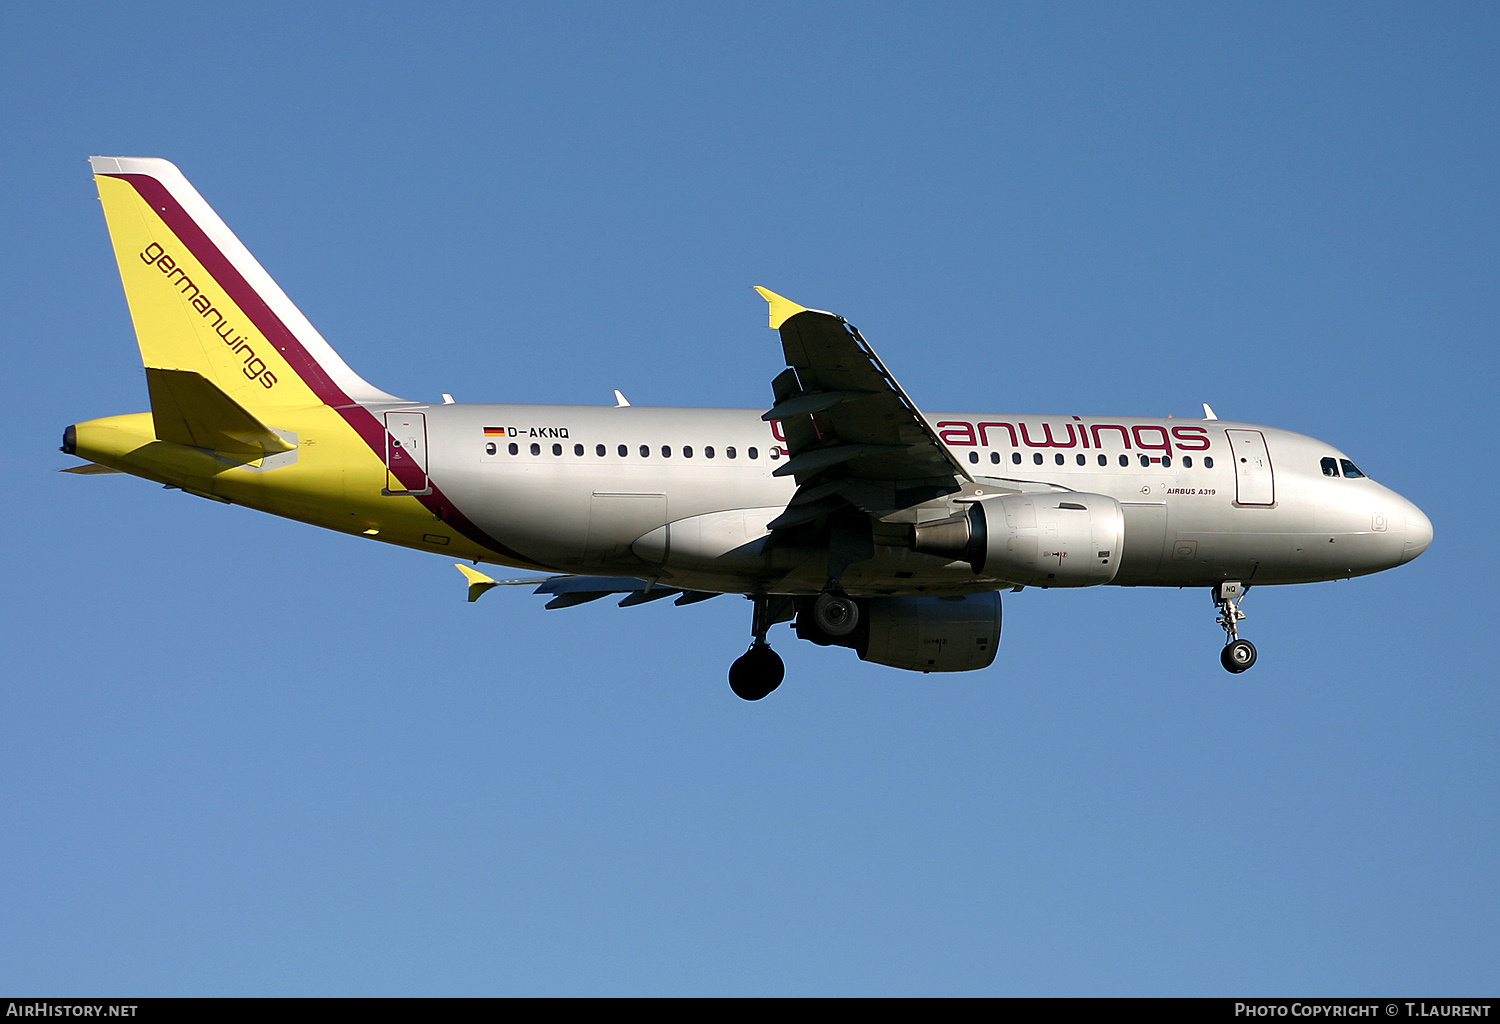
(836,614)
(1238,656)
(756,673)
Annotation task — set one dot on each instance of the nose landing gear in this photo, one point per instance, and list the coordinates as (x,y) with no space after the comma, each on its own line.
(1238,655)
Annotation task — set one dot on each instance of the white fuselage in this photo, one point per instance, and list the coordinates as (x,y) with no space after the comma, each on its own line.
(685,495)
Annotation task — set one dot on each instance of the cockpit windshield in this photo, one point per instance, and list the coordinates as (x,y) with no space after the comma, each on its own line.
(1330,467)
(1350,469)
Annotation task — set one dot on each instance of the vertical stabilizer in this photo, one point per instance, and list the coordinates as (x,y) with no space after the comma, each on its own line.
(201,303)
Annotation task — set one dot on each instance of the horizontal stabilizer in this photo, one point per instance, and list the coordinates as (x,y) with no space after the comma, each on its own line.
(89,469)
(187,408)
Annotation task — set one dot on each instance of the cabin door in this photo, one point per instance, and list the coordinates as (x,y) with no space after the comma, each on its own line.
(1254,483)
(406,453)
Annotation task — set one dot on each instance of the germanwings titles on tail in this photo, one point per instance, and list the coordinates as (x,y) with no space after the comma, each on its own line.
(843,509)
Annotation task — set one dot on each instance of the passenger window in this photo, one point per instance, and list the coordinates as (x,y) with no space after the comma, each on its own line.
(1124,460)
(1059,458)
(775,453)
(666,451)
(645,451)
(1166,460)
(578,449)
(1351,471)
(687,451)
(995,458)
(1146,461)
(1330,467)
(557,449)
(1082,461)
(489,449)
(1208,462)
(1015,457)
(708,451)
(754,453)
(1187,462)
(729,452)
(973,456)
(1037,458)
(1104,460)
(623,451)
(514,448)
(536,449)
(599,450)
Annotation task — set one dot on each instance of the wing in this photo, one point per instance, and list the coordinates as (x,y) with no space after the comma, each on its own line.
(853,435)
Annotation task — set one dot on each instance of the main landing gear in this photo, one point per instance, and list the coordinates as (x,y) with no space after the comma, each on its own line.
(760,670)
(757,672)
(1238,655)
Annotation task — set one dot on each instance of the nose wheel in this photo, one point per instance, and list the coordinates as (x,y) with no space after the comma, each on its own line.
(1238,655)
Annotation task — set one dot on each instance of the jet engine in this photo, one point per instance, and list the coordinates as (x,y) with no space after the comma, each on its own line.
(957,633)
(1054,539)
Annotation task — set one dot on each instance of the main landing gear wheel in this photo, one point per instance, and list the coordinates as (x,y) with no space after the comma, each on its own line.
(756,673)
(835,614)
(1238,655)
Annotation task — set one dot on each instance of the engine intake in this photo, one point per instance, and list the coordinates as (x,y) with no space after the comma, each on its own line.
(1064,539)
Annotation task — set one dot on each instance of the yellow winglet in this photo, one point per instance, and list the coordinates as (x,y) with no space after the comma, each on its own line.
(782,308)
(479,583)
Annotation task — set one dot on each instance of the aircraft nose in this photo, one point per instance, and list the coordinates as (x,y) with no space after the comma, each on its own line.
(1418,533)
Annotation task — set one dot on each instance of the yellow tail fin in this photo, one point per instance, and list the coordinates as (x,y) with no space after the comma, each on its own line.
(201,303)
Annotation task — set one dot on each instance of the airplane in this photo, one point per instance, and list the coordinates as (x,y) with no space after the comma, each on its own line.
(842,509)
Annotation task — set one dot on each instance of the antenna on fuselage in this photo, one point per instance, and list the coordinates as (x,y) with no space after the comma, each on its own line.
(621,401)
(1208,412)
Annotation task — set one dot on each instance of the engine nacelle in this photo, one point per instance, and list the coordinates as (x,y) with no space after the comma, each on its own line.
(1054,539)
(922,634)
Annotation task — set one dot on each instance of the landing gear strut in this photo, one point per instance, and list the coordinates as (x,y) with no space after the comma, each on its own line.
(1238,655)
(759,670)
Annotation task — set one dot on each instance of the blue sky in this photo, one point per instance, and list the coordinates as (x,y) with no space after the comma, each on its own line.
(244,756)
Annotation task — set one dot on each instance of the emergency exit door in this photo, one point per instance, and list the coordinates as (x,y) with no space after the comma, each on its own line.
(1254,482)
(406,453)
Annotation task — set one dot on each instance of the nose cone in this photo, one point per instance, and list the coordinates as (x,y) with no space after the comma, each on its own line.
(1418,533)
